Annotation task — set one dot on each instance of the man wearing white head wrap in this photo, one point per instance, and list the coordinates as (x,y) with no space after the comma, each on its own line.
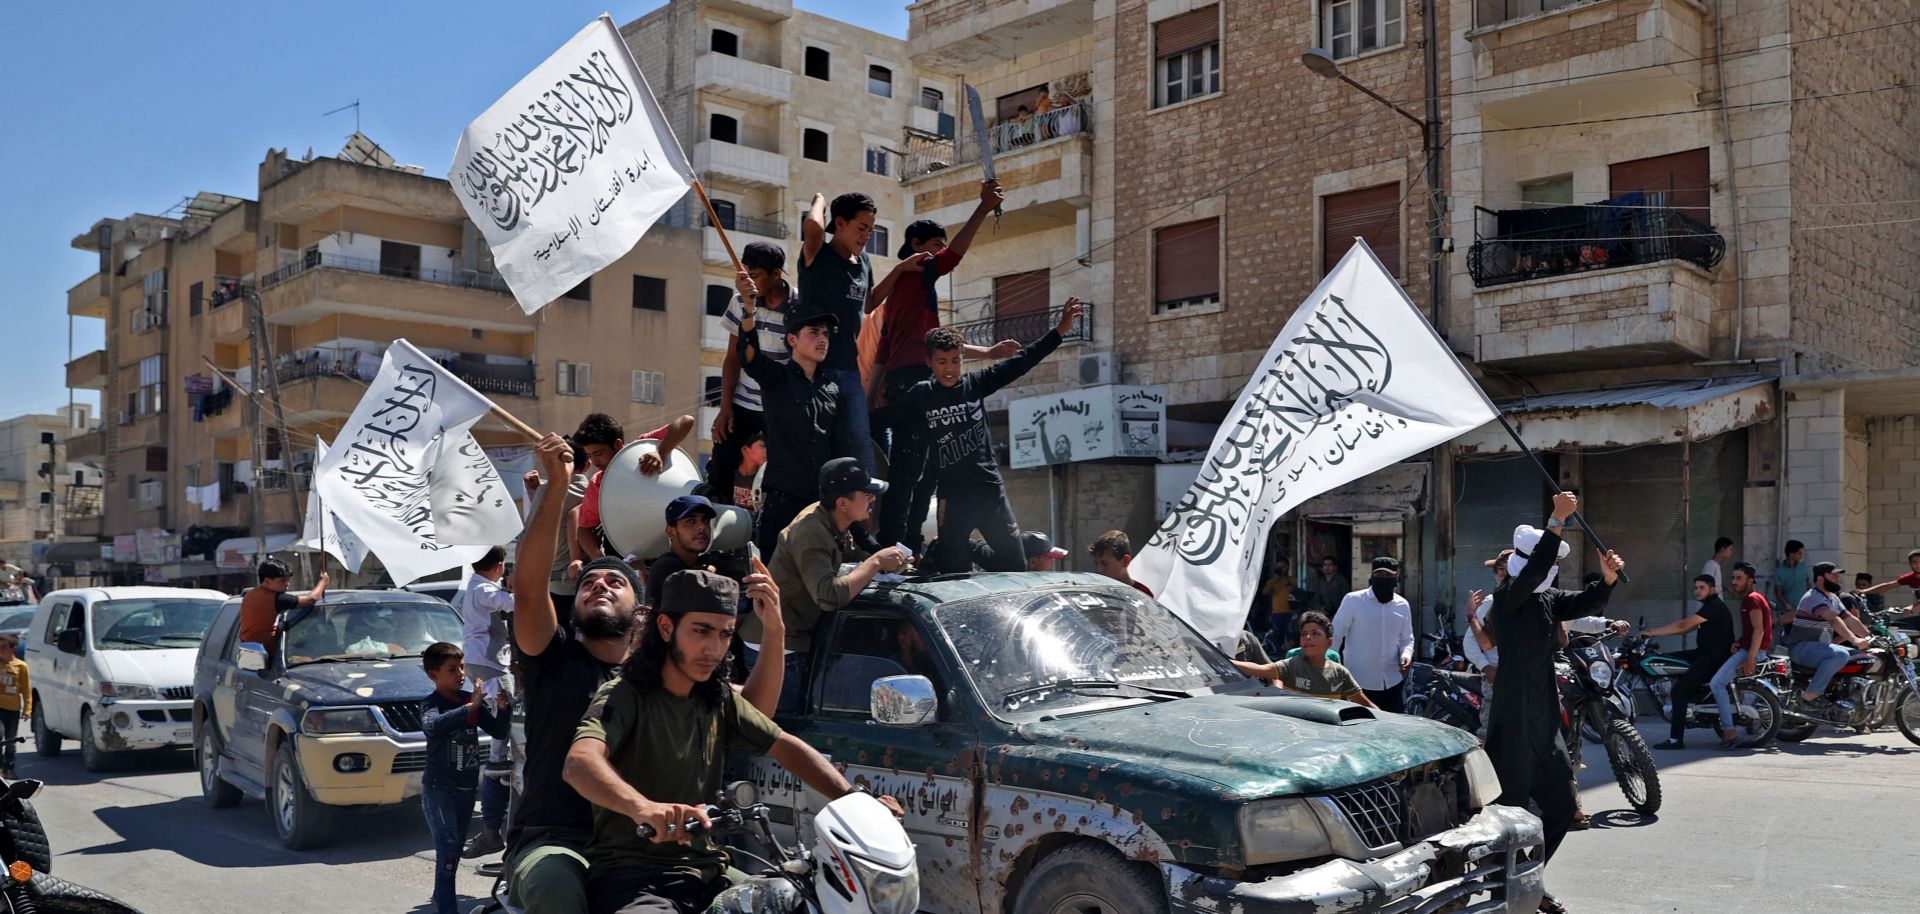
(1523,736)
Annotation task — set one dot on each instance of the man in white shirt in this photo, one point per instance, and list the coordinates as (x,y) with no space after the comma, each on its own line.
(1722,551)
(1374,634)
(484,607)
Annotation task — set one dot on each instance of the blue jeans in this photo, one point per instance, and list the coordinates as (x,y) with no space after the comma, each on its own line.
(448,809)
(1720,684)
(853,398)
(793,681)
(1826,660)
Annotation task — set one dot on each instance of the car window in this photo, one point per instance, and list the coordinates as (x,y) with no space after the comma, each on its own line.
(374,631)
(76,618)
(57,619)
(1017,644)
(867,648)
(152,624)
(19,620)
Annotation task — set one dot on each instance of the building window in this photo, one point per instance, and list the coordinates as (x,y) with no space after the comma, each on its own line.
(1353,27)
(1186,49)
(195,293)
(725,42)
(152,385)
(581,292)
(1186,266)
(152,493)
(819,64)
(400,259)
(719,298)
(1548,192)
(813,144)
(876,161)
(723,209)
(573,379)
(1373,214)
(1017,294)
(880,81)
(723,128)
(877,242)
(649,387)
(932,99)
(1494,12)
(152,312)
(649,293)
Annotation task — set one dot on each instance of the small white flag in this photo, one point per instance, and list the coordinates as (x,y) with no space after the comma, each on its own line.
(567,170)
(1357,380)
(408,477)
(324,530)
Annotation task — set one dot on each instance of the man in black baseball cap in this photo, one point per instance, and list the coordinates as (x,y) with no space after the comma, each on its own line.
(689,532)
(1042,554)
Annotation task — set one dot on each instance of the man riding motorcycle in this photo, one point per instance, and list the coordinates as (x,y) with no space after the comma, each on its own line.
(1823,636)
(1715,624)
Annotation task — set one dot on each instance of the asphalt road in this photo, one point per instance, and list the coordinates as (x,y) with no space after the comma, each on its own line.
(1815,827)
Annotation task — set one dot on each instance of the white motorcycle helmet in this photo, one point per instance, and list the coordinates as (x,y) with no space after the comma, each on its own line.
(864,858)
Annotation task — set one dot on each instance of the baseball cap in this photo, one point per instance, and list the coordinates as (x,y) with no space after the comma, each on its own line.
(1387,563)
(1036,544)
(687,504)
(1498,559)
(845,476)
(818,317)
(698,591)
(1826,568)
(763,255)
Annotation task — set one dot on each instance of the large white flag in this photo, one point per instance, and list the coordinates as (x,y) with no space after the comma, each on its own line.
(408,477)
(567,170)
(325,532)
(1357,380)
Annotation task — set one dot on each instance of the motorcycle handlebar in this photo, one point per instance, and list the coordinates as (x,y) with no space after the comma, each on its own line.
(693,826)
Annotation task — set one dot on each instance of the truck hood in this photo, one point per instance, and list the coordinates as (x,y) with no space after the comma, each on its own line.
(162,669)
(358,682)
(1258,744)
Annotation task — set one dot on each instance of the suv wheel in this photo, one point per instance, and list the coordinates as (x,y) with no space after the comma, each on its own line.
(45,741)
(301,822)
(1090,879)
(92,757)
(206,756)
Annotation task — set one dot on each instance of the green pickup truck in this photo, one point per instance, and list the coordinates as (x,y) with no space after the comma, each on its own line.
(1064,745)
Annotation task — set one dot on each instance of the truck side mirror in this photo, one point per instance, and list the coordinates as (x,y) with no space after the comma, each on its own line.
(904,701)
(252,658)
(72,641)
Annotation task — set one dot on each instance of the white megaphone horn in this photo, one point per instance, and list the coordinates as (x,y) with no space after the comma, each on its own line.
(633,505)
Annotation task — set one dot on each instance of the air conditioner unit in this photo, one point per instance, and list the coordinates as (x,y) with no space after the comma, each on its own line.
(1098,368)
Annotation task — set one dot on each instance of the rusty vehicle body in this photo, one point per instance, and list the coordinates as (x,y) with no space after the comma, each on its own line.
(1091,750)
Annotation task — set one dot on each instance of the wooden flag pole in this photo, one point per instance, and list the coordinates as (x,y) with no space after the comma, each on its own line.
(514,422)
(1554,484)
(714,219)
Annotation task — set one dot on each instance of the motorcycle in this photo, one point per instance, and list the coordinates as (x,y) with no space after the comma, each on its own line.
(1450,697)
(1590,653)
(27,885)
(1757,703)
(1879,683)
(861,863)
(1588,700)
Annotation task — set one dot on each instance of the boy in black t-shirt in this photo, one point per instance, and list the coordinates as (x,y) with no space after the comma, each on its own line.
(960,446)
(451,718)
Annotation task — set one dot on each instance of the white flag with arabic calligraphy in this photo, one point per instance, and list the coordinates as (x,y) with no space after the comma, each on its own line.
(325,532)
(406,475)
(567,170)
(1357,380)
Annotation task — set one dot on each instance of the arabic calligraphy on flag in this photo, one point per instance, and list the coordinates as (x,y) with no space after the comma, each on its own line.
(407,476)
(1357,380)
(567,170)
(324,531)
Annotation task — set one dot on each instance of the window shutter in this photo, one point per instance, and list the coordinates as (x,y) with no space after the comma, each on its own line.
(1186,261)
(583,379)
(1186,31)
(639,386)
(1685,177)
(1373,214)
(1016,294)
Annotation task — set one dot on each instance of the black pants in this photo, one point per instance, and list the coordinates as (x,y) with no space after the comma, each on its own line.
(1695,679)
(777,510)
(982,508)
(903,510)
(1389,698)
(1546,779)
(642,891)
(9,730)
(725,462)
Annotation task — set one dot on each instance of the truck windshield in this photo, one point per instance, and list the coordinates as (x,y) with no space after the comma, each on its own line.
(368,631)
(133,625)
(1055,650)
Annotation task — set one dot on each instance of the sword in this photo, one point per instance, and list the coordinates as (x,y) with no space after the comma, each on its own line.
(982,138)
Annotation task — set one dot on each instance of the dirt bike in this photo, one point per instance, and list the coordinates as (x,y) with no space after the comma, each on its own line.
(1585,700)
(27,886)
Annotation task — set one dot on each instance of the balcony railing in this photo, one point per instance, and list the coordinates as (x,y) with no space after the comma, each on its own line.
(1025,327)
(748,225)
(311,260)
(485,377)
(926,155)
(228,289)
(1630,230)
(82,501)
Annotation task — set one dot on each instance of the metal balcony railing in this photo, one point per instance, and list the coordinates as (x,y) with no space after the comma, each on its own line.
(312,260)
(227,289)
(1025,327)
(926,155)
(1629,230)
(485,377)
(748,225)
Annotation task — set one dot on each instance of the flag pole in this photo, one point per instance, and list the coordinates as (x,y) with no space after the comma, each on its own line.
(514,422)
(1554,484)
(713,219)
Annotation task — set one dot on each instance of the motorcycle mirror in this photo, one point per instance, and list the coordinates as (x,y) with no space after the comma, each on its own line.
(740,795)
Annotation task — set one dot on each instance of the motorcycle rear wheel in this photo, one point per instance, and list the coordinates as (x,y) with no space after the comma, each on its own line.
(1906,714)
(1765,707)
(1633,767)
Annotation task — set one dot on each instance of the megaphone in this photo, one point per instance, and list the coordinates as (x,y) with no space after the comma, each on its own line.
(633,505)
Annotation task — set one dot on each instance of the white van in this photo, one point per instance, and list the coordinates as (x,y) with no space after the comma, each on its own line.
(112,667)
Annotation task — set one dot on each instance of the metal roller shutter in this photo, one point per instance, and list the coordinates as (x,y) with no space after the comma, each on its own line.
(1636,502)
(1492,497)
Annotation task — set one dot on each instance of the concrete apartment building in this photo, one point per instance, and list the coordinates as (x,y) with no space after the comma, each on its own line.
(773,104)
(346,253)
(47,495)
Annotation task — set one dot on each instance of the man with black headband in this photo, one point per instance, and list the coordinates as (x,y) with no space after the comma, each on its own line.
(650,748)
(550,825)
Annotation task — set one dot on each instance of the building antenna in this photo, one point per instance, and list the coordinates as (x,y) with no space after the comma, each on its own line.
(355,105)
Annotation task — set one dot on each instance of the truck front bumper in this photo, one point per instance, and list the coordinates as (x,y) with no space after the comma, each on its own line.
(1496,853)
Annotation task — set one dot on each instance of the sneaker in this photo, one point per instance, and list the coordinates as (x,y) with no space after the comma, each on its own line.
(1671,744)
(482,845)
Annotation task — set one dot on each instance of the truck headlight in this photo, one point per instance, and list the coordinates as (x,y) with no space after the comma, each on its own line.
(127,691)
(321,721)
(1275,831)
(1481,779)
(888,891)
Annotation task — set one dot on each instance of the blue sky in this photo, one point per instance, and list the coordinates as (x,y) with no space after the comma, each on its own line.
(122,107)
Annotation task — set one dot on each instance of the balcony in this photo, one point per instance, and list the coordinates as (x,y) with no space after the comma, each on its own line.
(1572,287)
(959,36)
(87,446)
(742,80)
(321,284)
(88,372)
(1026,327)
(88,298)
(740,230)
(294,192)
(1590,57)
(1046,162)
(325,385)
(761,10)
(89,525)
(140,431)
(930,122)
(740,164)
(234,230)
